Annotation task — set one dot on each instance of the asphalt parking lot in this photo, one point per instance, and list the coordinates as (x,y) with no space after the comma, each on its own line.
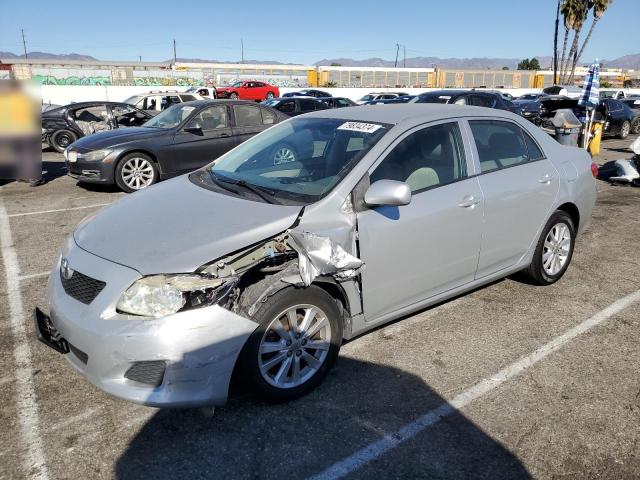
(510,381)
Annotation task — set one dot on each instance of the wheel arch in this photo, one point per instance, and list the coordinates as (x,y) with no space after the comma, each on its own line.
(572,210)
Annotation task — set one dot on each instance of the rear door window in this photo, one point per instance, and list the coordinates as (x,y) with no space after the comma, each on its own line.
(247,115)
(500,144)
(307,105)
(483,101)
(92,119)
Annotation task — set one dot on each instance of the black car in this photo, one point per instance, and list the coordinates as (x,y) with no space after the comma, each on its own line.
(632,102)
(64,125)
(468,97)
(293,106)
(180,139)
(387,101)
(537,111)
(308,92)
(338,102)
(619,119)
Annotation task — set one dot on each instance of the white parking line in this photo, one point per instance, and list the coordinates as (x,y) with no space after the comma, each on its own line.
(33,275)
(374,450)
(57,210)
(26,406)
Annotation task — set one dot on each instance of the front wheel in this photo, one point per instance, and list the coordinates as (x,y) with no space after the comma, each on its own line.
(554,250)
(635,128)
(624,130)
(233,96)
(135,172)
(296,344)
(61,139)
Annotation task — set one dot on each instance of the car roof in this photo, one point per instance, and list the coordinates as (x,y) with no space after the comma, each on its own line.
(202,103)
(410,113)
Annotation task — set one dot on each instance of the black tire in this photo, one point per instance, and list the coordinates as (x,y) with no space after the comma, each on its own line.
(270,95)
(267,312)
(635,126)
(233,96)
(624,130)
(536,271)
(61,139)
(121,182)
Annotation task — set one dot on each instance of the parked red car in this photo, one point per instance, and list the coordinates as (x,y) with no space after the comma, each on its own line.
(249,90)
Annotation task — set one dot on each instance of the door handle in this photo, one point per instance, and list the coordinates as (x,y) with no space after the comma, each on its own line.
(546,179)
(469,201)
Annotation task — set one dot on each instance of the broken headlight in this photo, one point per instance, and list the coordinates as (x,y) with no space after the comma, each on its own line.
(160,295)
(94,156)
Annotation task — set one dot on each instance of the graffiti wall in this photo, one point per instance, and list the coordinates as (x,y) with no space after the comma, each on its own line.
(71,76)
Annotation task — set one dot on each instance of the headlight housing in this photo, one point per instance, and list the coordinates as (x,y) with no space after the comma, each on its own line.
(94,156)
(160,295)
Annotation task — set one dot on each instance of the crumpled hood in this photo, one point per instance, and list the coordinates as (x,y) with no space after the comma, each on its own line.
(176,227)
(113,138)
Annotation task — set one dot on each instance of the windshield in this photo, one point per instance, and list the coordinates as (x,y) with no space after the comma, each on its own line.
(366,98)
(298,161)
(133,100)
(237,84)
(171,117)
(607,94)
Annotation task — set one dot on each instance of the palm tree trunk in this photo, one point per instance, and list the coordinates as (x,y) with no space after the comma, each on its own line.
(574,51)
(564,53)
(555,45)
(586,40)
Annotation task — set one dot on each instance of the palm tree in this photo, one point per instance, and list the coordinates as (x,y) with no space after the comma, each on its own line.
(581,14)
(599,8)
(569,10)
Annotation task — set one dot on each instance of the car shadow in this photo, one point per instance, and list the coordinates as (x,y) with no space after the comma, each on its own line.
(358,403)
(53,170)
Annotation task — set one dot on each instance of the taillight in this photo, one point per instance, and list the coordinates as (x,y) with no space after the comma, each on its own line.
(594,169)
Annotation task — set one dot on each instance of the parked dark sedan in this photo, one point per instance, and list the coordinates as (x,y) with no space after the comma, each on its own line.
(388,101)
(619,119)
(293,106)
(338,102)
(64,125)
(468,97)
(180,139)
(308,92)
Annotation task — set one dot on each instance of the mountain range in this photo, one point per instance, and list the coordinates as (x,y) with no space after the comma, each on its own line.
(630,62)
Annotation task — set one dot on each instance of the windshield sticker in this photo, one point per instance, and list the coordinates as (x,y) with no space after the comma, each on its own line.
(359,127)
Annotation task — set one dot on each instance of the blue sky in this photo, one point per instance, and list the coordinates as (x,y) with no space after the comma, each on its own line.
(300,32)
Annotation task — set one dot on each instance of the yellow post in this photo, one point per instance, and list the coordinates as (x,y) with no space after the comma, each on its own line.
(312,78)
(594,144)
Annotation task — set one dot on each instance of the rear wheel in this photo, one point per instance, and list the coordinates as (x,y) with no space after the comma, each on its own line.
(270,95)
(635,126)
(296,344)
(624,130)
(61,139)
(554,250)
(135,172)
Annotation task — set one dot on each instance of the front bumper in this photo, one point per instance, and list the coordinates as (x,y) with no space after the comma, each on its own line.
(93,172)
(198,348)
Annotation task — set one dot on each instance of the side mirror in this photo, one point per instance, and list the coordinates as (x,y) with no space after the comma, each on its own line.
(387,193)
(194,128)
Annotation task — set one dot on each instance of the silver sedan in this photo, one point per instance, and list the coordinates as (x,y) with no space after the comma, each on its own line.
(314,231)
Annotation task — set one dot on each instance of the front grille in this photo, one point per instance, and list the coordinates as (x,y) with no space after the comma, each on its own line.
(150,372)
(83,357)
(81,287)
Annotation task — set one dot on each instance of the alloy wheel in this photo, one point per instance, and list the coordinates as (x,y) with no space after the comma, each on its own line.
(294,346)
(625,129)
(557,247)
(137,173)
(284,155)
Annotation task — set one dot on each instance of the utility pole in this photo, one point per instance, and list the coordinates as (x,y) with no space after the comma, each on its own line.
(404,51)
(395,65)
(24,45)
(241,51)
(555,47)
(175,57)
(140,58)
